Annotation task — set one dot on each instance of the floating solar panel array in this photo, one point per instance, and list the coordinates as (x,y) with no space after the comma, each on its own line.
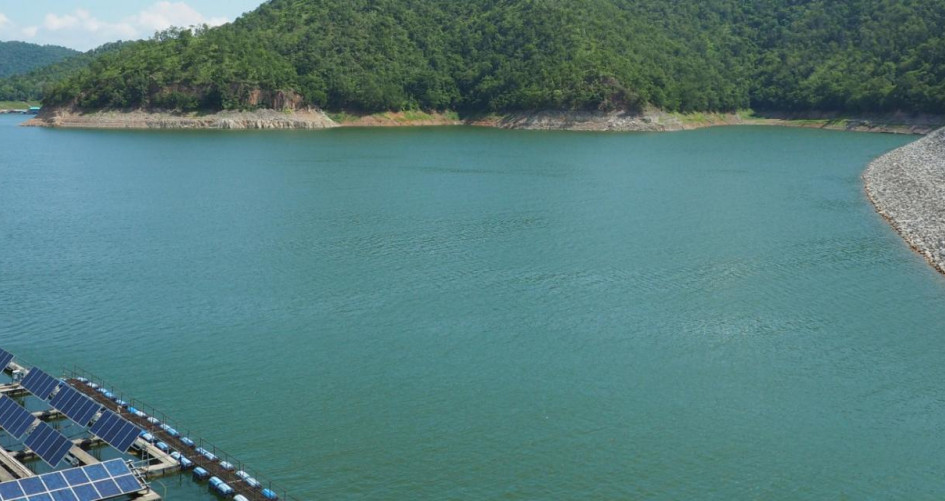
(114,430)
(111,428)
(39,383)
(48,444)
(88,483)
(5,359)
(75,405)
(14,418)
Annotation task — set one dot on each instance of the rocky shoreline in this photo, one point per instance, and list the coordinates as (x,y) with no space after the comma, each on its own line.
(907,187)
(260,119)
(646,121)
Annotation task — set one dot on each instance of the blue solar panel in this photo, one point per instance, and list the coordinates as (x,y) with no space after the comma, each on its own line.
(75,476)
(39,383)
(85,492)
(48,444)
(11,490)
(32,485)
(96,472)
(74,485)
(75,405)
(55,481)
(14,418)
(114,430)
(64,495)
(5,359)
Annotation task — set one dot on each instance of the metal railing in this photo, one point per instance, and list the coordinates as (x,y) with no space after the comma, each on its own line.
(164,419)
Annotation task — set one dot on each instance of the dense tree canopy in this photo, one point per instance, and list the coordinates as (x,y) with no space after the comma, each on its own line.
(30,86)
(503,55)
(17,58)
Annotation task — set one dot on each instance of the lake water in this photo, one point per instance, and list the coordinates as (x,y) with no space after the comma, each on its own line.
(461,313)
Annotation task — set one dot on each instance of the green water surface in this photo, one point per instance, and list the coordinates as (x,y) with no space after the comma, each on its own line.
(461,313)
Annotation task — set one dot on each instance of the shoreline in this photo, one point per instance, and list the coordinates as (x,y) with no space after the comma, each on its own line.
(907,188)
(647,121)
(229,120)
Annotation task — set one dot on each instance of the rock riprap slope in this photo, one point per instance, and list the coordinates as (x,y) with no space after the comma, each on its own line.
(907,186)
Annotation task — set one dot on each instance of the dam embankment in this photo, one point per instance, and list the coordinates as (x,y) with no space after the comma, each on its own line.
(907,186)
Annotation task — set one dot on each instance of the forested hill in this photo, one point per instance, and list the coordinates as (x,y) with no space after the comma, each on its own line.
(29,86)
(505,55)
(20,57)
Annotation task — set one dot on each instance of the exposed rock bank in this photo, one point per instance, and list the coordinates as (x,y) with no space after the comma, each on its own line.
(651,120)
(907,186)
(398,119)
(583,120)
(260,119)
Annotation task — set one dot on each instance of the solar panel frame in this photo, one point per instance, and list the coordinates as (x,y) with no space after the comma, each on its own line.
(14,418)
(39,383)
(76,406)
(116,431)
(119,480)
(5,358)
(50,445)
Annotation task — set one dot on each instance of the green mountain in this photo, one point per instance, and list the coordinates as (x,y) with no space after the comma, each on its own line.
(30,86)
(20,57)
(505,55)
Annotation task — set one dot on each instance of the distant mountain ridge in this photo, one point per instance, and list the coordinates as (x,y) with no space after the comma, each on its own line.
(17,58)
(30,86)
(506,55)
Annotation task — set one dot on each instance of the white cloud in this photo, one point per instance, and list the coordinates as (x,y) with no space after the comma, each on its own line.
(82,30)
(163,15)
(56,23)
(82,22)
(7,27)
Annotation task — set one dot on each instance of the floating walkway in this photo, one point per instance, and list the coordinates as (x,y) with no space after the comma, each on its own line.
(110,421)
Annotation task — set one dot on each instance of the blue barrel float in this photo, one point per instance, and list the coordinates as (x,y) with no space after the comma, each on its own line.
(250,481)
(201,474)
(207,454)
(185,464)
(221,487)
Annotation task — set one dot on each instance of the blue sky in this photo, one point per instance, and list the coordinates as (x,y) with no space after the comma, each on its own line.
(85,24)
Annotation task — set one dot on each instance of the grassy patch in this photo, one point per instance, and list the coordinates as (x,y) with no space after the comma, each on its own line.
(748,114)
(341,116)
(821,122)
(17,105)
(415,115)
(692,118)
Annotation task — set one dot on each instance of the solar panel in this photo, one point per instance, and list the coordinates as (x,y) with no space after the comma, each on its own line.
(5,359)
(14,418)
(119,433)
(39,383)
(48,444)
(75,405)
(88,483)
